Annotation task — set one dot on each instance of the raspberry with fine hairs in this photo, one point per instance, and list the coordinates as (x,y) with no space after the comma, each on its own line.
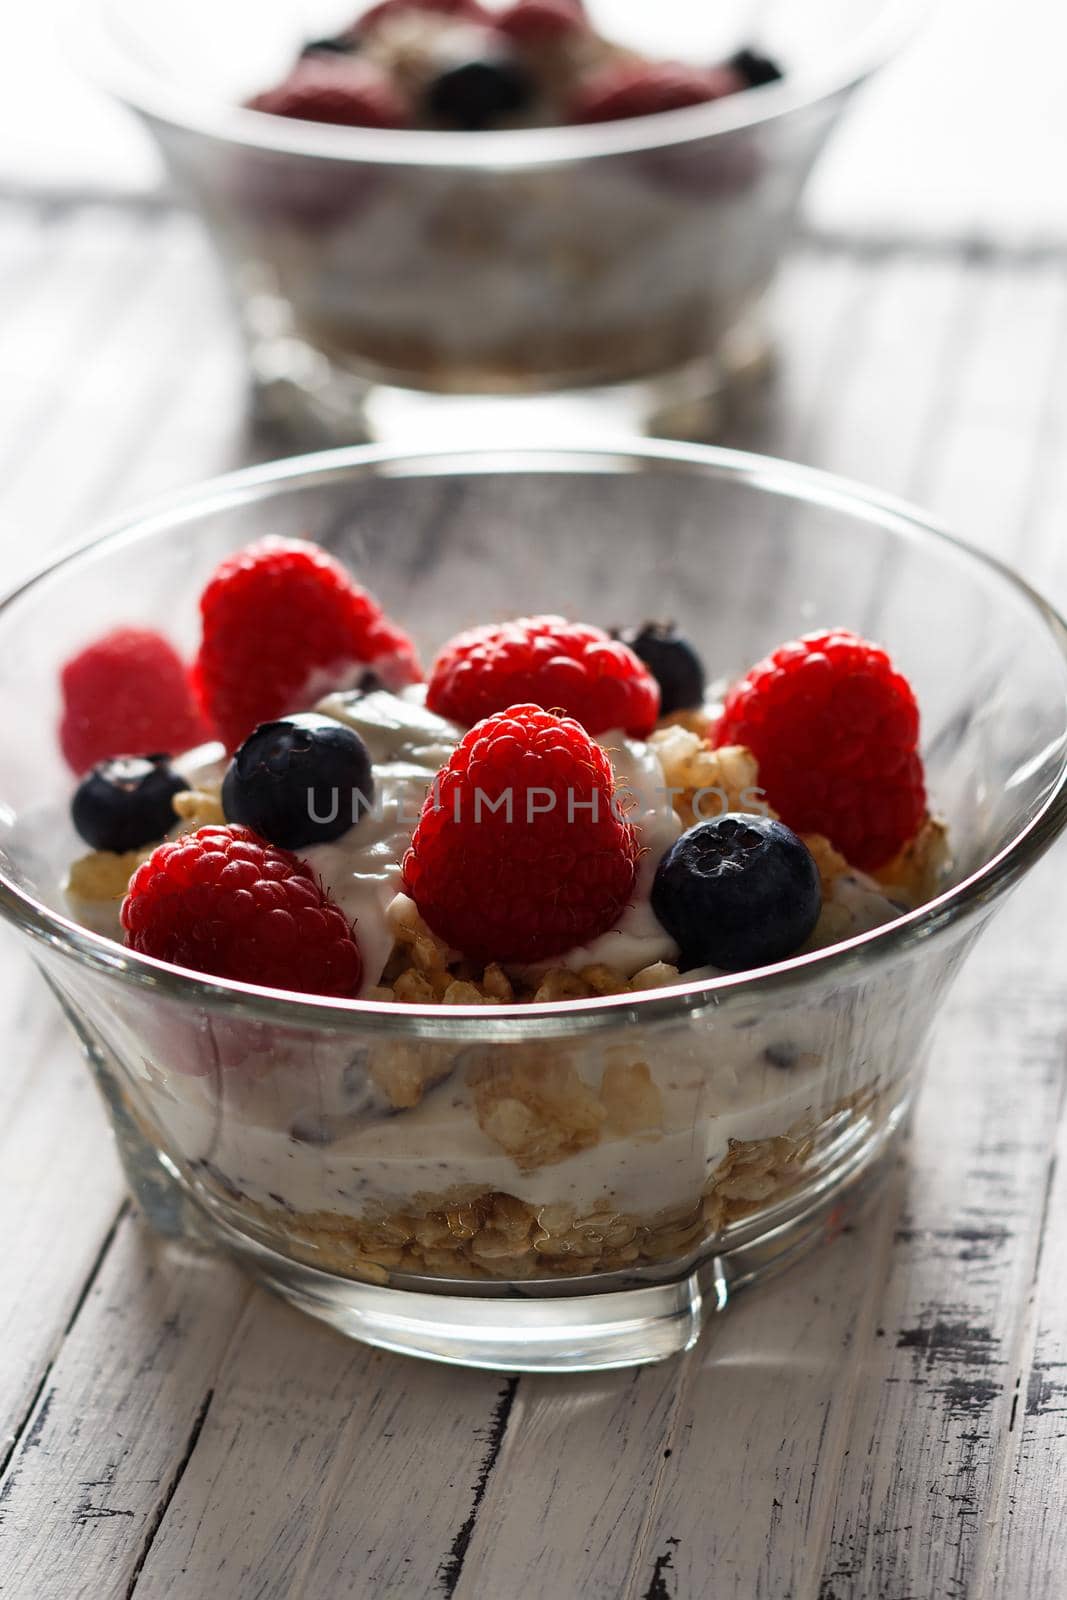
(835,729)
(565,666)
(127,694)
(283,623)
(223,901)
(522,850)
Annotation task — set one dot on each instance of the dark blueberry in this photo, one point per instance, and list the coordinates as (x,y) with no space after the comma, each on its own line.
(369,683)
(300,781)
(754,68)
(478,94)
(671,660)
(125,803)
(737,892)
(340,44)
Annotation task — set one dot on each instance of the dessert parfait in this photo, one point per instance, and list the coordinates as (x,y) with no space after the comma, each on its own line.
(440,197)
(553,815)
(620,255)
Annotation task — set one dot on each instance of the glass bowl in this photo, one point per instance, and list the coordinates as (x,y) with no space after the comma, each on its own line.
(378,274)
(278,1126)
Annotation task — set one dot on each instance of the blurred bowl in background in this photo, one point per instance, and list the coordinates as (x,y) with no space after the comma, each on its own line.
(378,275)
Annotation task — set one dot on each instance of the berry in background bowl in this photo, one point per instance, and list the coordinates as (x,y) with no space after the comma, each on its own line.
(417,202)
(515,1015)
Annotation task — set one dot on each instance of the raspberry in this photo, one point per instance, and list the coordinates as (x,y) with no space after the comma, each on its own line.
(569,666)
(835,730)
(640,88)
(542,21)
(282,623)
(335,89)
(551,867)
(223,901)
(129,694)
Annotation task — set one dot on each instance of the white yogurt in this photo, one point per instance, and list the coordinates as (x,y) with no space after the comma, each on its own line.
(306,1136)
(407,745)
(637,939)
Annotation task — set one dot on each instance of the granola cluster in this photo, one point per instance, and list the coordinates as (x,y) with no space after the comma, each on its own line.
(102,875)
(479,1233)
(919,870)
(706,782)
(424,971)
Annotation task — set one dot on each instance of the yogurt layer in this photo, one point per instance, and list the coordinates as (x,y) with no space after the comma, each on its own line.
(308,1136)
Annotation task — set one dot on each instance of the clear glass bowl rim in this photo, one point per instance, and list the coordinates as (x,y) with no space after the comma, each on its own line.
(478,1023)
(114,67)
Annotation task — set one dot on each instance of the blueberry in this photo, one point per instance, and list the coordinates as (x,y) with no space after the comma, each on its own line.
(754,68)
(125,803)
(340,44)
(300,781)
(671,660)
(369,683)
(737,892)
(477,94)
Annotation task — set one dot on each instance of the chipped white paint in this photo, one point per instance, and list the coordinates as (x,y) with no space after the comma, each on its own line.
(886,1422)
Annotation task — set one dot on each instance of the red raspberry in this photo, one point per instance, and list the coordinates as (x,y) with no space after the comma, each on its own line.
(128,694)
(223,901)
(542,21)
(552,867)
(569,666)
(462,10)
(336,89)
(283,624)
(640,88)
(835,730)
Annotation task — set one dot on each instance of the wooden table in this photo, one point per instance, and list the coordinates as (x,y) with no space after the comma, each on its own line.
(884,1423)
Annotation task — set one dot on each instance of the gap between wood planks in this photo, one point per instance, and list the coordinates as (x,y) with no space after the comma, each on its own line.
(32,1411)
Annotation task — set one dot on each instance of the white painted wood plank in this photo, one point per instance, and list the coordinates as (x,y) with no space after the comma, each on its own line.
(60,1185)
(88,261)
(326,1468)
(639,1479)
(815,307)
(931,1417)
(116,1420)
(567,1504)
(1024,1549)
(982,478)
(109,416)
(1024,1545)
(765,1422)
(887,411)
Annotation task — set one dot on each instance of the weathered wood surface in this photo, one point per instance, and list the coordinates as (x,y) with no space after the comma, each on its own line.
(885,1423)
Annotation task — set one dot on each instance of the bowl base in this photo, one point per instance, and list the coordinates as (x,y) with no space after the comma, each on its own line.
(310,402)
(576,1324)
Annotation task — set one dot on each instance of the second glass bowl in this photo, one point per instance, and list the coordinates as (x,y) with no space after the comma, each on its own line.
(375,270)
